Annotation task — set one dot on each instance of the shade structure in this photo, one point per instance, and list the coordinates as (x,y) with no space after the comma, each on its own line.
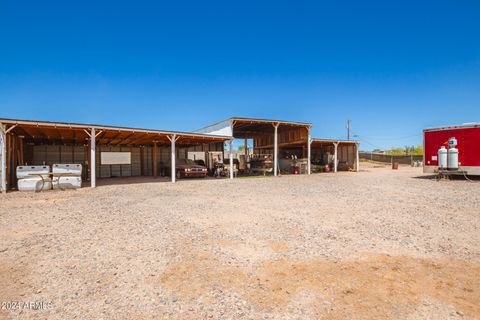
(18,137)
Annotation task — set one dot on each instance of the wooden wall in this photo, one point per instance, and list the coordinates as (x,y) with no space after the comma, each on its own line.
(294,135)
(15,147)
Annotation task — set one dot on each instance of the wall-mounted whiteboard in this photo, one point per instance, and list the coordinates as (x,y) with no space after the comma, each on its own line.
(115,158)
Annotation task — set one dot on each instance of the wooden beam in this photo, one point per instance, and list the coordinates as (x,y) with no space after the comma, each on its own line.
(141,138)
(60,135)
(21,151)
(124,139)
(99,136)
(114,138)
(11,128)
(9,161)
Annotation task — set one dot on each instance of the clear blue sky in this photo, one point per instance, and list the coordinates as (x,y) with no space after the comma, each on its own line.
(393,68)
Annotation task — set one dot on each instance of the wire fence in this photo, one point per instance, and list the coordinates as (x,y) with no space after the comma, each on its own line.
(387,158)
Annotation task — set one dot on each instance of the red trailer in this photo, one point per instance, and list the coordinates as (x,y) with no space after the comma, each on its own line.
(467,140)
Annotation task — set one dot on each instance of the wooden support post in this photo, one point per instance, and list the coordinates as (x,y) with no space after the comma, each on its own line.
(309,153)
(357,167)
(91,150)
(275,149)
(230,143)
(335,156)
(21,151)
(245,148)
(89,165)
(3,156)
(8,157)
(93,178)
(155,164)
(14,159)
(173,138)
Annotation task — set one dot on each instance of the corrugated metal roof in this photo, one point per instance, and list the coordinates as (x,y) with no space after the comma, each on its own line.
(105,127)
(307,124)
(252,120)
(335,140)
(453,127)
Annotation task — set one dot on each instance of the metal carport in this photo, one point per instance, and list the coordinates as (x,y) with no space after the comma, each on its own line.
(268,135)
(21,141)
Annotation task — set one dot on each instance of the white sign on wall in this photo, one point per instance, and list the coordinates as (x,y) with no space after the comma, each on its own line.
(116,158)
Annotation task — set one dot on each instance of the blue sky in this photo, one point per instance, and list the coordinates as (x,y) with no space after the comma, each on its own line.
(392,68)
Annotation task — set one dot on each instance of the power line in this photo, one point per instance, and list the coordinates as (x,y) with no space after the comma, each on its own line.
(367,142)
(399,138)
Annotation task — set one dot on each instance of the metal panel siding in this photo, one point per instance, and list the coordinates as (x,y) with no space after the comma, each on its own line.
(115,170)
(222,128)
(39,153)
(135,167)
(79,155)
(468,145)
(104,172)
(53,155)
(126,169)
(147,161)
(66,154)
(50,154)
(163,154)
(98,168)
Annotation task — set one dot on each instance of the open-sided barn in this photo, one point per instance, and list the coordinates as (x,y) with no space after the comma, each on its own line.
(109,151)
(45,143)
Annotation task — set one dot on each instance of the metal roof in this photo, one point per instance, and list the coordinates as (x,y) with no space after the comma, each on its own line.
(257,120)
(105,127)
(335,140)
(307,124)
(453,127)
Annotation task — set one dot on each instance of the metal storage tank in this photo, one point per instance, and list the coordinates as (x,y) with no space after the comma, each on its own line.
(71,169)
(468,138)
(452,159)
(67,176)
(67,182)
(34,184)
(33,178)
(32,171)
(442,158)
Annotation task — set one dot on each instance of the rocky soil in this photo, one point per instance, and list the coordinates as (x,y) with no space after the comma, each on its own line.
(378,244)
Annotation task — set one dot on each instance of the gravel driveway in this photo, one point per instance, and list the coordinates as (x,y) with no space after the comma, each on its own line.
(378,244)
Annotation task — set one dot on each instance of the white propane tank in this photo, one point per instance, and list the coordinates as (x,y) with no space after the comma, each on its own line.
(452,158)
(442,158)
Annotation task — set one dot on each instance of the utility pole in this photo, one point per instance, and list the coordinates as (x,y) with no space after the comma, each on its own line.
(348,129)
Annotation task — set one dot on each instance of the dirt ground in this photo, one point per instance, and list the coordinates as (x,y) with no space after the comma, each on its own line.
(378,244)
